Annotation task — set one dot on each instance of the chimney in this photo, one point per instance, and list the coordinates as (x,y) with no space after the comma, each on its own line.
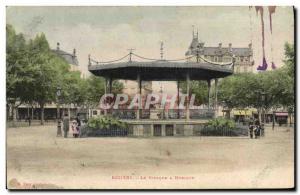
(230,47)
(57,46)
(220,45)
(250,45)
(74,52)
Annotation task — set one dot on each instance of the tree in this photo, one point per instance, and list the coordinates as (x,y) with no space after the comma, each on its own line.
(199,88)
(47,70)
(289,61)
(95,89)
(16,60)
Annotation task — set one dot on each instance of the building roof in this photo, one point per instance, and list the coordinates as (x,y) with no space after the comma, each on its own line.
(212,51)
(162,70)
(70,58)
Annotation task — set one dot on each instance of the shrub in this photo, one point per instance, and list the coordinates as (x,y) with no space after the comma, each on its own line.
(105,122)
(221,123)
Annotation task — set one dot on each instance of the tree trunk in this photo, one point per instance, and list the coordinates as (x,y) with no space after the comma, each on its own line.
(32,111)
(290,118)
(14,113)
(264,116)
(42,113)
(28,111)
(259,116)
(69,111)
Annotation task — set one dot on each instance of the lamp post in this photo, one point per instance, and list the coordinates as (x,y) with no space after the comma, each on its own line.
(262,105)
(58,94)
(263,100)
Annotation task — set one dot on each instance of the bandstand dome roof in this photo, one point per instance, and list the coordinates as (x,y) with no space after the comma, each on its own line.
(162,70)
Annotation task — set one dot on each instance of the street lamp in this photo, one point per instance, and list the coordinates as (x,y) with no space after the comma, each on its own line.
(262,104)
(58,94)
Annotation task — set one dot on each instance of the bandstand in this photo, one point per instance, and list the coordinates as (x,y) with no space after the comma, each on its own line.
(175,122)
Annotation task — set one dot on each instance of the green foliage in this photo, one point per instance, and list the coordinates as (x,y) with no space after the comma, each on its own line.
(289,60)
(73,89)
(15,64)
(34,73)
(199,88)
(221,123)
(105,122)
(246,89)
(95,89)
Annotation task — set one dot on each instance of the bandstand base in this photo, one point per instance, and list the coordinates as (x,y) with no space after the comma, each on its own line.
(161,128)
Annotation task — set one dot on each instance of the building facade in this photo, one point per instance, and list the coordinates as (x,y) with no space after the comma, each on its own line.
(243,56)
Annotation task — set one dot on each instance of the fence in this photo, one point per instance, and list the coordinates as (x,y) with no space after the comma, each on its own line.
(112,131)
(222,131)
(129,114)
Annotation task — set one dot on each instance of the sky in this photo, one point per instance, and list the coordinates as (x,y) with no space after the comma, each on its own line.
(108,32)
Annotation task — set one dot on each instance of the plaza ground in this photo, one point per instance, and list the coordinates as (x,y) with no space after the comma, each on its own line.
(36,156)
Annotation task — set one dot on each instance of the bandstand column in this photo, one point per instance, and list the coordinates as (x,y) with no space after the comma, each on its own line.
(208,92)
(105,91)
(109,85)
(188,97)
(140,93)
(178,100)
(216,97)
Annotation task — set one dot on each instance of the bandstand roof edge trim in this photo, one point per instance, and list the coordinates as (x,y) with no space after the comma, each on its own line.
(161,70)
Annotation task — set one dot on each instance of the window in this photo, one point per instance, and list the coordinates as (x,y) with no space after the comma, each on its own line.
(94,112)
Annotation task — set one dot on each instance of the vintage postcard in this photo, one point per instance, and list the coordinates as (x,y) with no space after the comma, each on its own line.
(141,97)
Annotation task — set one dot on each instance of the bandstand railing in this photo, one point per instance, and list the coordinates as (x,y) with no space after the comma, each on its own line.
(161,114)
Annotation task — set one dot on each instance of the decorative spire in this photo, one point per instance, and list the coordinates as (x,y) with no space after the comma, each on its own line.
(57,46)
(74,52)
(197,33)
(161,50)
(193,30)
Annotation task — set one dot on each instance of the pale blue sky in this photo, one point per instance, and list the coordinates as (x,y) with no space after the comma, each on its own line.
(107,32)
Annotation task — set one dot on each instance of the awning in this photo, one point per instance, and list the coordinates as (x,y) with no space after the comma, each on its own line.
(281,114)
(247,112)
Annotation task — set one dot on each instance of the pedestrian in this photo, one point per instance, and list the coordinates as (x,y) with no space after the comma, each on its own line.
(78,120)
(78,123)
(66,122)
(257,130)
(75,128)
(29,120)
(251,129)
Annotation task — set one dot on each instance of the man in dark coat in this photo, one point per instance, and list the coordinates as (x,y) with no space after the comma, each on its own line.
(66,122)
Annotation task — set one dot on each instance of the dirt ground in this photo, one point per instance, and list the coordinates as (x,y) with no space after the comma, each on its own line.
(36,158)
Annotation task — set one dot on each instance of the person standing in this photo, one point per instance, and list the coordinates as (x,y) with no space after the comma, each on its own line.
(78,124)
(29,120)
(66,122)
(75,128)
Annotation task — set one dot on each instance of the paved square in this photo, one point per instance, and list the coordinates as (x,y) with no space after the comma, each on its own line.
(36,156)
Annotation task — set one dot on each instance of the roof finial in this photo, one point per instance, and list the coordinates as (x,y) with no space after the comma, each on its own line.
(130,54)
(197,33)
(89,57)
(161,50)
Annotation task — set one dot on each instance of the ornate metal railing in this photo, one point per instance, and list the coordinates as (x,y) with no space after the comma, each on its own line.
(202,113)
(161,114)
